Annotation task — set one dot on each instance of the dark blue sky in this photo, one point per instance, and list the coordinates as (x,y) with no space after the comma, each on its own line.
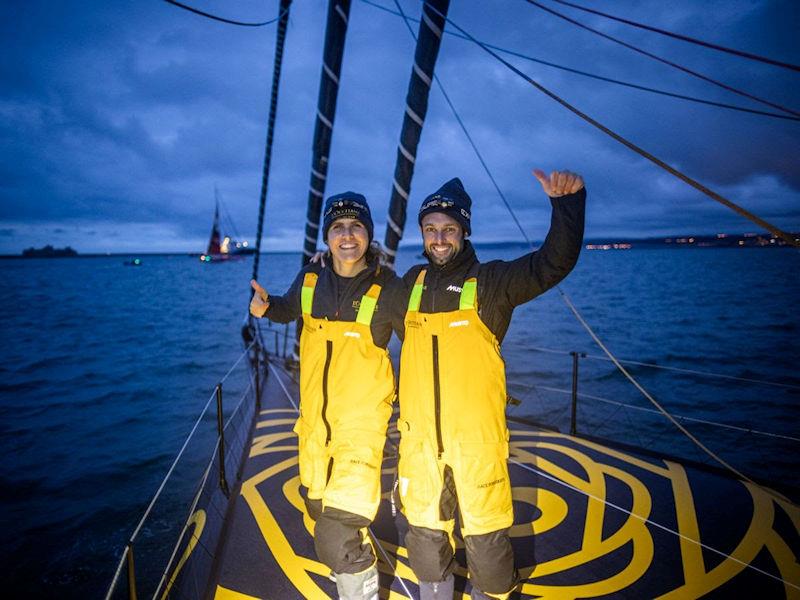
(119,118)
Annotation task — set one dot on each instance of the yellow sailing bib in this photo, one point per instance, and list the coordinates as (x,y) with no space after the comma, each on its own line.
(452,412)
(346,392)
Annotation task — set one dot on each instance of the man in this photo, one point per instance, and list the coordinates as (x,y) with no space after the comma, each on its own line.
(454,439)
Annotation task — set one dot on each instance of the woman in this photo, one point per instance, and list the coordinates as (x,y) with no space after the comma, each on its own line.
(347,388)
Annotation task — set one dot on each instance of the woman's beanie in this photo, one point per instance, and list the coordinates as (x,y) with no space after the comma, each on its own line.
(452,200)
(348,204)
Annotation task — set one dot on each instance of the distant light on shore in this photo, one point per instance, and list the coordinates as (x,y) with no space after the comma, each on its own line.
(608,246)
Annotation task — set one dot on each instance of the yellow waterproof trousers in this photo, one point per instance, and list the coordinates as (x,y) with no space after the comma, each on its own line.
(346,392)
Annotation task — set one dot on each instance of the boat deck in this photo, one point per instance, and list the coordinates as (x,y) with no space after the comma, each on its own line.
(590,522)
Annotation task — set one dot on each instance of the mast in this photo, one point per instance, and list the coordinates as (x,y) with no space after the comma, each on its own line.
(429,38)
(214,240)
(335,34)
(273,109)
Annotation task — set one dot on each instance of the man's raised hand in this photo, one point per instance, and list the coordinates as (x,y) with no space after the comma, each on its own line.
(559,183)
(260,302)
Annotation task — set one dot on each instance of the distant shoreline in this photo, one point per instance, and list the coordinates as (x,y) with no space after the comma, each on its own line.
(681,242)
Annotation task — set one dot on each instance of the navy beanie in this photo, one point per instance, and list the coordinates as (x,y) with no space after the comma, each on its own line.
(348,204)
(452,200)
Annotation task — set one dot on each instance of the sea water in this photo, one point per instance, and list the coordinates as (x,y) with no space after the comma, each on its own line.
(106,368)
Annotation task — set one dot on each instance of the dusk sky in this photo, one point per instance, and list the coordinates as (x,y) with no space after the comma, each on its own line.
(119,118)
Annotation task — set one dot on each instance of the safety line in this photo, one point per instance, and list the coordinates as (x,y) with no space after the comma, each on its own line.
(668,368)
(685,178)
(651,522)
(238,360)
(647,395)
(372,533)
(650,410)
(221,19)
(635,86)
(685,38)
(665,61)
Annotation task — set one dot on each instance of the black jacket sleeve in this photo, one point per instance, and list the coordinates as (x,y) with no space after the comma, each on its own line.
(398,294)
(286,308)
(523,279)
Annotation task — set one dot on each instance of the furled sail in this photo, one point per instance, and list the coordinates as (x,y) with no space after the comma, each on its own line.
(428,40)
(335,34)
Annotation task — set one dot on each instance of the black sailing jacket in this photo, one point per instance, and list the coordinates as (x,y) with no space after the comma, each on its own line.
(337,298)
(502,285)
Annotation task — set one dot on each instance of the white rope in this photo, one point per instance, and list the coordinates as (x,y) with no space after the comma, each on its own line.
(168,475)
(645,393)
(651,410)
(651,522)
(238,360)
(113,585)
(668,368)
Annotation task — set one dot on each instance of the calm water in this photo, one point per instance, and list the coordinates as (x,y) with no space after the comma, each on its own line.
(106,367)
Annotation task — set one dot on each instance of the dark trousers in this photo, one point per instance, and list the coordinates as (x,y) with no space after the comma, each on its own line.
(338,540)
(490,557)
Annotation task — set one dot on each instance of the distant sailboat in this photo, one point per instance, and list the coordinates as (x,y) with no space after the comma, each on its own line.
(223,247)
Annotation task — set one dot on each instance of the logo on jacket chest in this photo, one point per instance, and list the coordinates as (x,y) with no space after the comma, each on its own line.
(453,288)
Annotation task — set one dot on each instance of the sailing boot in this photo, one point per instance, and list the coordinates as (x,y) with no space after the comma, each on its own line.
(476,594)
(358,586)
(437,590)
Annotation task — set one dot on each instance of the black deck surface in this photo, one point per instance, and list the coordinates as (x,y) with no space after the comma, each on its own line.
(607,524)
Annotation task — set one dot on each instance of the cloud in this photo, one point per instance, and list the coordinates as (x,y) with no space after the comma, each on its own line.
(131,114)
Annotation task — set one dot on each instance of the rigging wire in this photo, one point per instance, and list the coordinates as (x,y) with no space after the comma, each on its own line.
(682,417)
(669,368)
(664,60)
(642,152)
(635,86)
(222,19)
(685,38)
(566,298)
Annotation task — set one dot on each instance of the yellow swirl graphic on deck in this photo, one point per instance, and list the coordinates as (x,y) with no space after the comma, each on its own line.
(198,519)
(613,549)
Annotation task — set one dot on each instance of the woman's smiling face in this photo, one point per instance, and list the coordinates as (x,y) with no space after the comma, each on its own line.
(348,240)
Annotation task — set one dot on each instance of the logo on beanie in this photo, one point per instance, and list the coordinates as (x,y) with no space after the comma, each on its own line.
(342,207)
(437,200)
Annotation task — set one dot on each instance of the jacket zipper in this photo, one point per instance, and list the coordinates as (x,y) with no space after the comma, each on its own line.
(328,355)
(437,401)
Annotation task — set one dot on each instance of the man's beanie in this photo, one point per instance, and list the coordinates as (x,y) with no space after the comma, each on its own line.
(452,200)
(348,204)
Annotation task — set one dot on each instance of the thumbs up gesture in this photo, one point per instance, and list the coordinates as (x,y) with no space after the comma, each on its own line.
(260,302)
(559,183)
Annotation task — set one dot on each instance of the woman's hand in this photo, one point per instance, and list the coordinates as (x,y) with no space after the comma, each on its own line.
(260,302)
(319,257)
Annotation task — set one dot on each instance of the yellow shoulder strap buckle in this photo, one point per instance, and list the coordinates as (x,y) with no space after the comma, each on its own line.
(469,292)
(368,302)
(416,292)
(307,293)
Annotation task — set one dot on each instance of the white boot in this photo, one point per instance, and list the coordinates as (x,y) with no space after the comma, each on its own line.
(358,586)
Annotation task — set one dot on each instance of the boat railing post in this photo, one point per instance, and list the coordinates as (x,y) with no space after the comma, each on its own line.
(258,377)
(223,483)
(573,428)
(131,573)
(277,341)
(285,338)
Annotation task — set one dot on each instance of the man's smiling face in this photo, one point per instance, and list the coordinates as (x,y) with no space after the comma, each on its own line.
(442,237)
